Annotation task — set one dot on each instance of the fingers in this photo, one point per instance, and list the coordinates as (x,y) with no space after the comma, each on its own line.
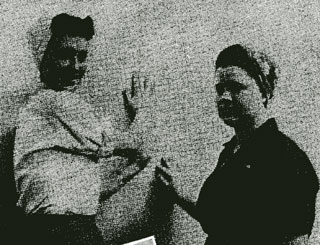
(164,163)
(129,172)
(128,101)
(141,89)
(107,139)
(124,159)
(129,153)
(125,98)
(105,152)
(104,138)
(120,176)
(163,169)
(163,172)
(125,141)
(163,175)
(136,84)
(149,86)
(129,107)
(140,85)
(107,146)
(145,83)
(128,140)
(164,181)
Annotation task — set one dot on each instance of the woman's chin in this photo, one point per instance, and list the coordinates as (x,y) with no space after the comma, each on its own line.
(74,84)
(230,121)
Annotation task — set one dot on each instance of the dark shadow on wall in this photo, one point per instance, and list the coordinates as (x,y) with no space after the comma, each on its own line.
(38,36)
(8,194)
(10,215)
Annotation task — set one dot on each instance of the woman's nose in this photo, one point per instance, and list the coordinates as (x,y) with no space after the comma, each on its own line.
(226,95)
(77,63)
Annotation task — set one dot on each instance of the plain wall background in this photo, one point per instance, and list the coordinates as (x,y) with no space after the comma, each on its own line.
(174,44)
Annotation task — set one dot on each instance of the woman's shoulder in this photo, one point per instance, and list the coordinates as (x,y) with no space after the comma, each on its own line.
(288,147)
(37,105)
(295,158)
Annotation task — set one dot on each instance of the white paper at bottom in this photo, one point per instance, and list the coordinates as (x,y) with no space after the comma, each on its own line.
(145,241)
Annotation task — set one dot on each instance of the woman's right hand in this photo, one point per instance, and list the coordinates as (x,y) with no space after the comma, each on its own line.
(164,177)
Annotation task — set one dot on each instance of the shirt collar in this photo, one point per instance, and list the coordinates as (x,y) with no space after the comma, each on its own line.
(268,126)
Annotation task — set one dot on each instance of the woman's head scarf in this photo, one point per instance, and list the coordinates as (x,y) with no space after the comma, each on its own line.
(256,64)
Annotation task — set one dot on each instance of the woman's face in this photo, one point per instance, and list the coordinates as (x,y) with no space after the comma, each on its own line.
(68,64)
(239,99)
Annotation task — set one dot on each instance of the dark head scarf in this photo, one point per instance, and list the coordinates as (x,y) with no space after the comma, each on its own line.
(256,64)
(64,24)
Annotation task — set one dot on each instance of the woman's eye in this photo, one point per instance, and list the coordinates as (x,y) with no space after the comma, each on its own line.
(236,88)
(61,56)
(82,56)
(233,88)
(220,89)
(64,54)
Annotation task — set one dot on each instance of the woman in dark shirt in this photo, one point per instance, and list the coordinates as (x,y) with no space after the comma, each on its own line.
(263,188)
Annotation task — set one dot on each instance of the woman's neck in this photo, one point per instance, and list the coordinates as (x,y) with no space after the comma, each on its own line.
(244,130)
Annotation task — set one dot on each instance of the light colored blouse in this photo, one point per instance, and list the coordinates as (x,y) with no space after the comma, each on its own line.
(55,157)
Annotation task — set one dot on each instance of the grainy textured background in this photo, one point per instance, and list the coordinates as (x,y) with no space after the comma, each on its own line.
(174,43)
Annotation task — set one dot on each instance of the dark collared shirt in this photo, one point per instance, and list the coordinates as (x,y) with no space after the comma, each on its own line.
(262,194)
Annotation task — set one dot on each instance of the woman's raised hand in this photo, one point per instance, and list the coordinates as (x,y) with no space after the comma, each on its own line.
(141,88)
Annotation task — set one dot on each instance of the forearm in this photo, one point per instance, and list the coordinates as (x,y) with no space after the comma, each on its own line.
(188,205)
(300,240)
(55,182)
